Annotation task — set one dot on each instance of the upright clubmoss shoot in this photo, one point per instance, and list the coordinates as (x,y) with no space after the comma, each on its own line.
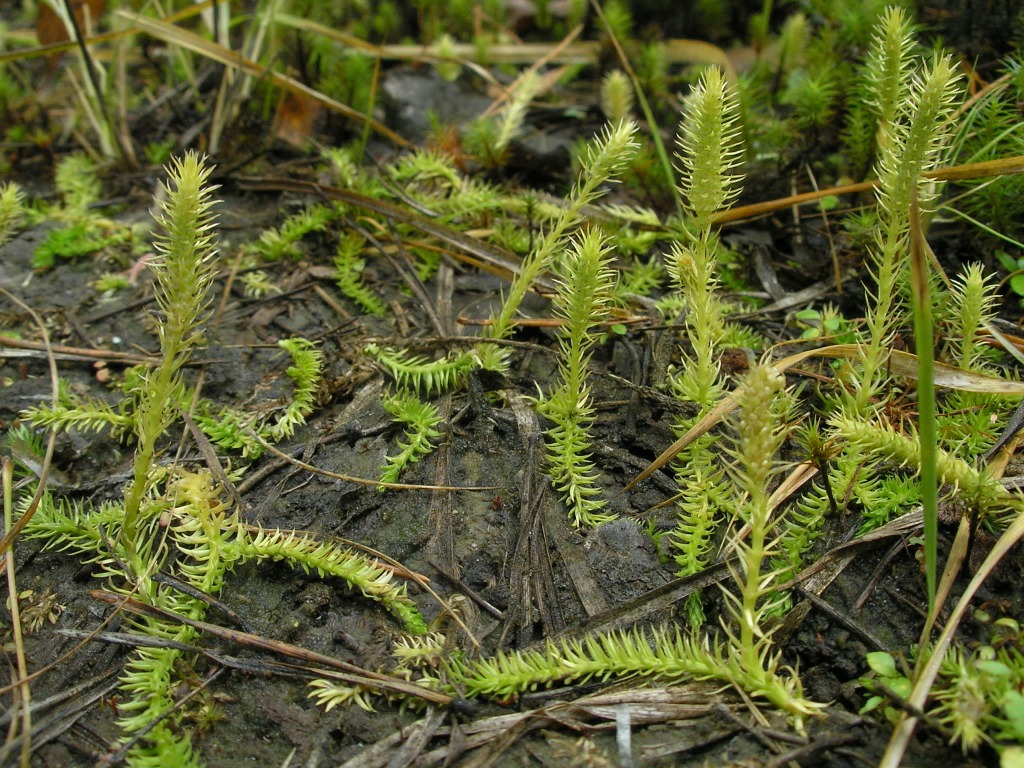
(616,96)
(912,144)
(12,210)
(78,183)
(603,162)
(584,291)
(184,273)
(709,152)
(741,654)
(888,67)
(762,427)
(974,302)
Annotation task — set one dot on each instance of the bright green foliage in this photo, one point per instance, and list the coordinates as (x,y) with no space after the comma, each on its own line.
(888,67)
(420,419)
(979,696)
(976,696)
(432,179)
(826,324)
(794,40)
(511,121)
(652,69)
(631,240)
(84,232)
(762,428)
(110,283)
(641,279)
(81,414)
(989,130)
(619,19)
(344,74)
(704,498)
(812,97)
(305,373)
(878,89)
(369,577)
(255,283)
(969,421)
(423,167)
(211,541)
(973,305)
(709,151)
(884,672)
(348,174)
(584,291)
(709,148)
(445,63)
(805,519)
(81,238)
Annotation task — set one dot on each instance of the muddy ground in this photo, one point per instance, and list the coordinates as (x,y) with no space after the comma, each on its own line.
(510,547)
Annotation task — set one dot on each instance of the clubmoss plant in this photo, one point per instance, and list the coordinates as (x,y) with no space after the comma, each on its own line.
(488,139)
(975,486)
(84,231)
(762,426)
(348,268)
(420,375)
(421,419)
(511,122)
(125,538)
(434,181)
(976,697)
(616,96)
(742,654)
(912,145)
(878,89)
(709,151)
(968,420)
(12,210)
(184,273)
(605,159)
(889,66)
(973,305)
(78,183)
(210,541)
(235,429)
(283,242)
(584,291)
